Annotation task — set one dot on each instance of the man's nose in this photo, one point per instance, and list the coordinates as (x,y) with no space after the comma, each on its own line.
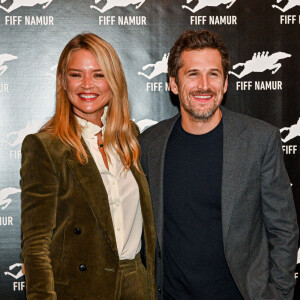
(203,83)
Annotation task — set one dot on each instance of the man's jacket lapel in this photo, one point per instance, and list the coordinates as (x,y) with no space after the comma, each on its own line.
(234,156)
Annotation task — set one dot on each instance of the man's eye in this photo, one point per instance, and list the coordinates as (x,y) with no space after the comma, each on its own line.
(214,74)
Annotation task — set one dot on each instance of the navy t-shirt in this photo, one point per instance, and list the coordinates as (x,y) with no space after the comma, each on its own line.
(194,262)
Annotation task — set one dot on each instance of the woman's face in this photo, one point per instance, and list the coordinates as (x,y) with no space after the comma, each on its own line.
(87,89)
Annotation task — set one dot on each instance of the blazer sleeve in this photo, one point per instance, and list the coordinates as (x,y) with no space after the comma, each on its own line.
(39,185)
(279,218)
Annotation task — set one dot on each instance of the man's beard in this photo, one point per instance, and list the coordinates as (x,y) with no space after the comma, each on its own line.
(198,114)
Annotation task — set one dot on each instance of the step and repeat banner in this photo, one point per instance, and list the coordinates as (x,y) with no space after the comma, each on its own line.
(262,36)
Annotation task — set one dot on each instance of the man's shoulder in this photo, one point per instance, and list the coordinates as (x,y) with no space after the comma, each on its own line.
(158,129)
(245,122)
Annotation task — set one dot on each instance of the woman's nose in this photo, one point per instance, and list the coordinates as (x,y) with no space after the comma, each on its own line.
(87,82)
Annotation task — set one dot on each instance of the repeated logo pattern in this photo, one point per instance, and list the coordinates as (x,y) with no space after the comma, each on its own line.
(17,271)
(22,82)
(261,62)
(291,4)
(5,193)
(205,3)
(117,3)
(159,67)
(3,59)
(19,135)
(293,131)
(24,3)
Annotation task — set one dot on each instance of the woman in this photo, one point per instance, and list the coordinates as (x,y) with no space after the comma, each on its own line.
(85,200)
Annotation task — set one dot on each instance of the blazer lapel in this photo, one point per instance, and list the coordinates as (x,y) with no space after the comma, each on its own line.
(146,207)
(234,156)
(96,196)
(156,160)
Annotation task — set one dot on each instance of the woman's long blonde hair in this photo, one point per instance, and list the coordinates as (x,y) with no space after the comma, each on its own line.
(118,132)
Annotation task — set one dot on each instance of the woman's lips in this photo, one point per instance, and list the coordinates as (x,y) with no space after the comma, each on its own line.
(88,97)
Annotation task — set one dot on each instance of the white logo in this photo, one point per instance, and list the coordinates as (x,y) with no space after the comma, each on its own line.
(24,3)
(4,193)
(52,72)
(4,58)
(261,62)
(144,124)
(31,127)
(18,274)
(294,131)
(289,5)
(160,67)
(298,257)
(117,3)
(212,3)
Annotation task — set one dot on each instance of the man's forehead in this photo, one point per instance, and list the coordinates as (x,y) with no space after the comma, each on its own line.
(208,57)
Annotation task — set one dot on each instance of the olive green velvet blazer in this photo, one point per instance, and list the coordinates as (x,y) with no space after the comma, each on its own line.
(69,246)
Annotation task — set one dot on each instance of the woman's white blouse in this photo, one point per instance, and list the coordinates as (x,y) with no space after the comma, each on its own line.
(122,190)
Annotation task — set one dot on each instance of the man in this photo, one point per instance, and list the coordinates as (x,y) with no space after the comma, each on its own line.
(223,206)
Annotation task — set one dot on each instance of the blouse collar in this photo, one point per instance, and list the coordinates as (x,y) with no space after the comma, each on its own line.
(90,129)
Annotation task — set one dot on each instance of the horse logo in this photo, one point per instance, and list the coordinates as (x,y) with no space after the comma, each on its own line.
(31,127)
(294,131)
(144,124)
(204,3)
(19,274)
(290,4)
(160,67)
(24,3)
(261,62)
(4,193)
(3,59)
(52,72)
(117,3)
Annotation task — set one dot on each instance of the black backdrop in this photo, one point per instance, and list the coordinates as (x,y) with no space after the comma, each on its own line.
(34,32)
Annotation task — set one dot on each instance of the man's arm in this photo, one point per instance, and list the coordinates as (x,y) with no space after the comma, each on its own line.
(279,216)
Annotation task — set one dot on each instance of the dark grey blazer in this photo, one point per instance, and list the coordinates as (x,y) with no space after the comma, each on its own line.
(260,232)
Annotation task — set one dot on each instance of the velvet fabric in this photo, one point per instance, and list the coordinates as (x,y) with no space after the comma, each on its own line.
(69,246)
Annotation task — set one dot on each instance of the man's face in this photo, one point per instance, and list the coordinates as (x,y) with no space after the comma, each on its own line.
(200,84)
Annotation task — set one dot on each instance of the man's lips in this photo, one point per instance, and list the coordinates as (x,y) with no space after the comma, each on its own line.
(88,97)
(203,97)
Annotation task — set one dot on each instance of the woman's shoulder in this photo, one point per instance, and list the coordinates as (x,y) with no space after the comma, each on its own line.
(44,141)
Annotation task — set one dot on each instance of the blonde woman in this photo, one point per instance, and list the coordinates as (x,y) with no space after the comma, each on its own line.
(85,199)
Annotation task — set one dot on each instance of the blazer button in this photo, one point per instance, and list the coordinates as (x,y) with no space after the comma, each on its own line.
(82,267)
(77,230)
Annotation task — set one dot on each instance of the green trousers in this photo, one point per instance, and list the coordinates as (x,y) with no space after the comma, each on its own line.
(132,281)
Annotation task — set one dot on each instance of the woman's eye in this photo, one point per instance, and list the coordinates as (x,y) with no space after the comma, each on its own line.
(74,75)
(99,75)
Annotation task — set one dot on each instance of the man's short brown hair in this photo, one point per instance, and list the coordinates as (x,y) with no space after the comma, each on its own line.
(196,40)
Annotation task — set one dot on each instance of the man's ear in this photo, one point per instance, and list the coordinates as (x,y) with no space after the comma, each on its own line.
(225,85)
(173,85)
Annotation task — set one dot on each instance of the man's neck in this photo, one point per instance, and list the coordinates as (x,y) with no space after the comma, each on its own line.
(197,127)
